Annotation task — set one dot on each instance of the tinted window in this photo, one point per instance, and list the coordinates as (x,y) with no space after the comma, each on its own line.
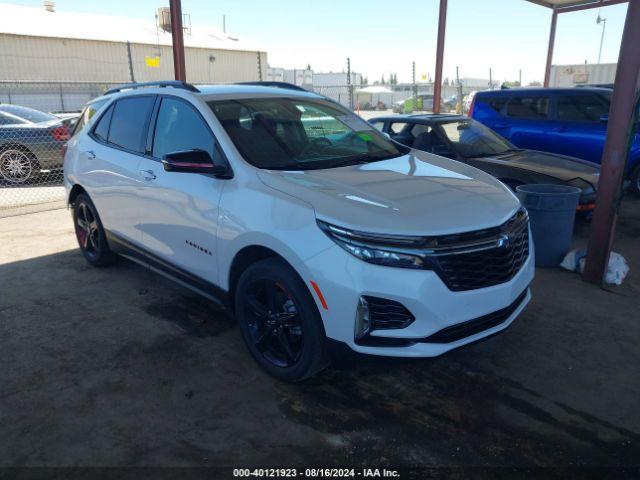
(582,108)
(496,103)
(528,107)
(102,128)
(419,128)
(28,114)
(179,127)
(397,127)
(128,122)
(87,115)
(378,125)
(300,134)
(469,138)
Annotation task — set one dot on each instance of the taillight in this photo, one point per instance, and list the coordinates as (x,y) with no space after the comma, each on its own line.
(473,104)
(61,133)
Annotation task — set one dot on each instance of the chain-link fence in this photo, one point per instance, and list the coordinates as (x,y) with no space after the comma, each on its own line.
(36,120)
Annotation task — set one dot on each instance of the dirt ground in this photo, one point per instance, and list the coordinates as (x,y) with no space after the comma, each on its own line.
(117,366)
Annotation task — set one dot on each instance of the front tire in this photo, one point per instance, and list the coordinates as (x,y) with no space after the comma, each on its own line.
(280,322)
(90,232)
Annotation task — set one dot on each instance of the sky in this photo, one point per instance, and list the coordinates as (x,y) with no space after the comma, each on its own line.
(382,37)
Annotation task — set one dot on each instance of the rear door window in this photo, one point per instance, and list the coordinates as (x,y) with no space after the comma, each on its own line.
(128,128)
(397,127)
(496,103)
(534,108)
(581,108)
(102,128)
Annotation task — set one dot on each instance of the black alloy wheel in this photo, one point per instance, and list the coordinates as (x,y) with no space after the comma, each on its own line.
(90,233)
(280,321)
(274,322)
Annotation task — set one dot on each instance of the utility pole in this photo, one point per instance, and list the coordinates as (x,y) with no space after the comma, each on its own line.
(490,80)
(130,62)
(460,104)
(602,21)
(224,23)
(349,86)
(259,66)
(520,78)
(415,86)
(178,40)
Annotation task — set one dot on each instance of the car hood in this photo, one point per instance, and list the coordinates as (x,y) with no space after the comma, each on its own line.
(560,167)
(414,194)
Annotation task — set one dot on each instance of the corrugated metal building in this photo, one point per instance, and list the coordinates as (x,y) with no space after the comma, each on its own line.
(583,74)
(41,45)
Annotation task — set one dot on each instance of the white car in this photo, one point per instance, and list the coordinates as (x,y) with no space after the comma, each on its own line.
(301,218)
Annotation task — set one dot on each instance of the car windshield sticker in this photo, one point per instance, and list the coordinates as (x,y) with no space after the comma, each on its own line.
(355,123)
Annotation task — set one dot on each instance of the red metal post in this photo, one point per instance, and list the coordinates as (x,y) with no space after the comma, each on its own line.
(552,41)
(437,86)
(178,40)
(615,149)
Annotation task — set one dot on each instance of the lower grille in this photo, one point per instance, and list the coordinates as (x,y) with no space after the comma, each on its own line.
(388,314)
(484,268)
(471,327)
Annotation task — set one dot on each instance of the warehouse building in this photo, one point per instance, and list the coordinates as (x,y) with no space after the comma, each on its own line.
(44,45)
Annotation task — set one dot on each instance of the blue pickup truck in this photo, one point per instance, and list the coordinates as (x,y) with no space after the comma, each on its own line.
(568,121)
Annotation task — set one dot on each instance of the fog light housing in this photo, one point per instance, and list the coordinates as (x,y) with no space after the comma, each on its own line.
(363,319)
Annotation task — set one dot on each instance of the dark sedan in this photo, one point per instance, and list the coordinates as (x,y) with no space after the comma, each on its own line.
(469,141)
(30,142)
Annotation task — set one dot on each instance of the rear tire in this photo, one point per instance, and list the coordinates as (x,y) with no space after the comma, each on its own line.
(280,322)
(90,232)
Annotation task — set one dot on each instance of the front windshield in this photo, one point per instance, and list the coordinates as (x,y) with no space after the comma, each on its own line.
(300,134)
(469,138)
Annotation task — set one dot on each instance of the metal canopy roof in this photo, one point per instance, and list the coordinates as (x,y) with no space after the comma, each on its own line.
(574,5)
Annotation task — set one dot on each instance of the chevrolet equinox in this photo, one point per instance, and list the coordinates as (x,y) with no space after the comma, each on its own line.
(301,218)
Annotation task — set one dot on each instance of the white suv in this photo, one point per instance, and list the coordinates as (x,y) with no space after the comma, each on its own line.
(301,218)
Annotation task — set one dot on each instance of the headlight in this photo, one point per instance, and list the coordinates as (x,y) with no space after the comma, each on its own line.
(388,250)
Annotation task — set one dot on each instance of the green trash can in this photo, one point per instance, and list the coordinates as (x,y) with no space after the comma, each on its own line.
(552,213)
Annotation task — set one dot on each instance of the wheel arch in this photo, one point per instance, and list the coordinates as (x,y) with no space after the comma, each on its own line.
(243,259)
(76,190)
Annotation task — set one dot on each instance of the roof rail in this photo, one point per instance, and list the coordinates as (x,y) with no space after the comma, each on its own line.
(285,85)
(165,83)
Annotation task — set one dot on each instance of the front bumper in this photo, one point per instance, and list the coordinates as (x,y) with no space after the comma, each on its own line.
(343,278)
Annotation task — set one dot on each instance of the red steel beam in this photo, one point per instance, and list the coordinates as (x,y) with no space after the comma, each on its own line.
(616,146)
(552,41)
(437,86)
(178,40)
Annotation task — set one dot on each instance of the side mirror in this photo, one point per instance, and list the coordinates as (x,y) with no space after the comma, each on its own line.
(192,161)
(604,119)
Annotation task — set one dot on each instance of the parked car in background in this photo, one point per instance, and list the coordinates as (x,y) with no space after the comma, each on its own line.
(567,121)
(468,101)
(31,141)
(466,140)
(300,217)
